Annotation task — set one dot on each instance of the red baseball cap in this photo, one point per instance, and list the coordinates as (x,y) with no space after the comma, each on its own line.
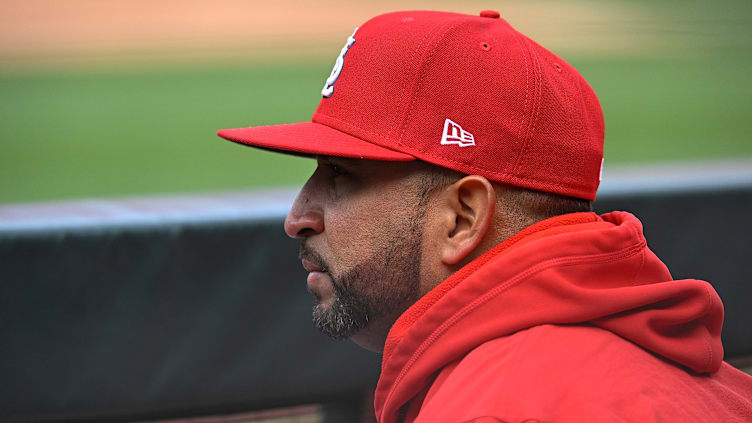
(469,93)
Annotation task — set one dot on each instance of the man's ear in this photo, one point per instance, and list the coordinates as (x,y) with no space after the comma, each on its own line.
(466,214)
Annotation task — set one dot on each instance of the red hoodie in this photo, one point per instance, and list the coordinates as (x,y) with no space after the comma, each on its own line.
(572,319)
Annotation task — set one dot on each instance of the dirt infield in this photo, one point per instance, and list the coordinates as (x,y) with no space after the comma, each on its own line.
(49,32)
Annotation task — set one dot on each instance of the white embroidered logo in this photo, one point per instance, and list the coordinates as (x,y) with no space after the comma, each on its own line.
(328,89)
(454,134)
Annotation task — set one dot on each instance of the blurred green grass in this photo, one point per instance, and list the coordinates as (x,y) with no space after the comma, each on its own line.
(111,133)
(117,133)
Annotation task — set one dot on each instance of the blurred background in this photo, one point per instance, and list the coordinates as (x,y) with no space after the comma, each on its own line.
(113,97)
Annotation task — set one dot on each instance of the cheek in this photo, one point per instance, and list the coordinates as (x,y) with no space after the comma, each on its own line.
(357,231)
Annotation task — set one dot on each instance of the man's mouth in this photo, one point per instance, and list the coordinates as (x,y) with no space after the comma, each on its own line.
(311,266)
(319,280)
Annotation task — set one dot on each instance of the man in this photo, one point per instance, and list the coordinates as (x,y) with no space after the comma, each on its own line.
(448,226)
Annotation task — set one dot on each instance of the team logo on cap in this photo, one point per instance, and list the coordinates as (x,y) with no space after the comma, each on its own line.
(328,89)
(454,134)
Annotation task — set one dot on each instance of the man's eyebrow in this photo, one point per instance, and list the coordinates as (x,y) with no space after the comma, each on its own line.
(344,161)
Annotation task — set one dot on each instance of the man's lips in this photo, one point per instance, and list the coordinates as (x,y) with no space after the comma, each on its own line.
(317,279)
(311,266)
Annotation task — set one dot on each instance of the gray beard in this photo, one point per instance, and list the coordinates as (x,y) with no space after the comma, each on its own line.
(385,285)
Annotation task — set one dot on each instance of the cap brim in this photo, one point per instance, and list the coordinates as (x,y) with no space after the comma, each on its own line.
(311,138)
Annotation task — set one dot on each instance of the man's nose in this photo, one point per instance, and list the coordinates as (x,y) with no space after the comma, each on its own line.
(303,221)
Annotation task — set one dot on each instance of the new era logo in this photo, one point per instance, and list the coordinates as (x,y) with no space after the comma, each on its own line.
(454,134)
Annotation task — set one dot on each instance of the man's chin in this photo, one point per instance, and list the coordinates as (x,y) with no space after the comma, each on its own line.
(339,320)
(319,302)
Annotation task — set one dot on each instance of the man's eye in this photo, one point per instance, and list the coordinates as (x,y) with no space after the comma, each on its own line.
(336,170)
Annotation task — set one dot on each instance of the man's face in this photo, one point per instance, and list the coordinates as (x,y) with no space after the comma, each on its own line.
(361,224)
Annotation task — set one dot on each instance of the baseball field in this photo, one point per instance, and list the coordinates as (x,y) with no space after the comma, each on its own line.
(102,113)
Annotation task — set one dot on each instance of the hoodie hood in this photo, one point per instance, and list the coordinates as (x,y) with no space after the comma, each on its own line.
(574,269)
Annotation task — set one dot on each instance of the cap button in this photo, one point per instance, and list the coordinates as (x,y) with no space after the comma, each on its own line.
(490,14)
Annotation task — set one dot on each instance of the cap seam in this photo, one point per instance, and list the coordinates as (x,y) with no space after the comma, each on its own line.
(431,50)
(408,98)
(535,106)
(527,88)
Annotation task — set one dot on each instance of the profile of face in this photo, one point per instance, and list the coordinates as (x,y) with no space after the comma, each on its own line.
(360,223)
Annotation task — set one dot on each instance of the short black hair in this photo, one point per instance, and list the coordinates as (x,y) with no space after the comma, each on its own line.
(543,205)
(525,206)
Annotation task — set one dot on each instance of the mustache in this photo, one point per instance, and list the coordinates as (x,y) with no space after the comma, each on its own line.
(308,253)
